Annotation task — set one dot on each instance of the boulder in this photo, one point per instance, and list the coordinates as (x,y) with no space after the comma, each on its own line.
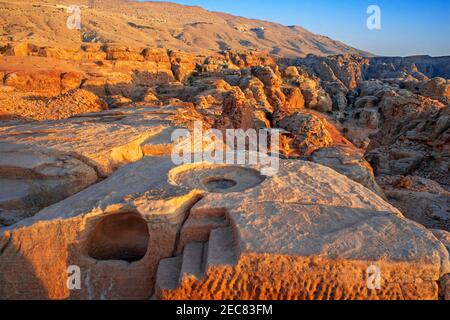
(267,76)
(415,145)
(237,112)
(294,100)
(338,94)
(309,131)
(19,49)
(183,65)
(368,117)
(70,80)
(46,82)
(322,103)
(422,200)
(350,162)
(437,89)
(291,72)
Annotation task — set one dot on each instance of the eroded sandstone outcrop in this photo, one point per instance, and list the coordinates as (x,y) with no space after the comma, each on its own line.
(420,199)
(22,106)
(44,163)
(349,162)
(205,231)
(97,188)
(415,145)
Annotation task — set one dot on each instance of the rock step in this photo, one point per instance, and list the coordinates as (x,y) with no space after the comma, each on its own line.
(196,259)
(168,275)
(221,250)
(193,261)
(198,229)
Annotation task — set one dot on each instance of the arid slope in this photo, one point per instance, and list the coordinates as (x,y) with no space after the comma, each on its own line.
(157,24)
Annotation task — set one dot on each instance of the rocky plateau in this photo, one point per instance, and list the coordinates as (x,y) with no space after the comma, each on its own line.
(87,178)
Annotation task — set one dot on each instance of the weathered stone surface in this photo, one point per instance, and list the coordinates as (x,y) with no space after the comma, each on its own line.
(349,162)
(32,180)
(17,105)
(345,69)
(309,131)
(40,82)
(294,100)
(444,285)
(291,72)
(216,231)
(323,102)
(19,49)
(123,131)
(444,237)
(237,112)
(420,199)
(44,163)
(416,145)
(436,88)
(331,227)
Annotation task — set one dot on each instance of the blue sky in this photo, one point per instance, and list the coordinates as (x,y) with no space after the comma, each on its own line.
(409,27)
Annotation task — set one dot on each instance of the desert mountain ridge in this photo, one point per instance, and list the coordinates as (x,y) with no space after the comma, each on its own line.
(160,25)
(351,178)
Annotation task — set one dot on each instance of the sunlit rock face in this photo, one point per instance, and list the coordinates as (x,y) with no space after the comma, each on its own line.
(358,208)
(42,163)
(154,229)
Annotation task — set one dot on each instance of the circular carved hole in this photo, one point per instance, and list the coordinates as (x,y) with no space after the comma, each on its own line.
(219,184)
(216,178)
(121,236)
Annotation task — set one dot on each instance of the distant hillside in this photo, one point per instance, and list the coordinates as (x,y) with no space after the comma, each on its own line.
(157,24)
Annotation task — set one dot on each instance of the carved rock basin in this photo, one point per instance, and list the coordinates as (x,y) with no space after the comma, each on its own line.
(205,231)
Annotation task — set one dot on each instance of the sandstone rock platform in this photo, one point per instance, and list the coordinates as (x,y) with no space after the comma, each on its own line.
(42,163)
(209,231)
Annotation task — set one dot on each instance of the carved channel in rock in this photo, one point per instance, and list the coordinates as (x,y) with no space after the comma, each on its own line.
(122,236)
